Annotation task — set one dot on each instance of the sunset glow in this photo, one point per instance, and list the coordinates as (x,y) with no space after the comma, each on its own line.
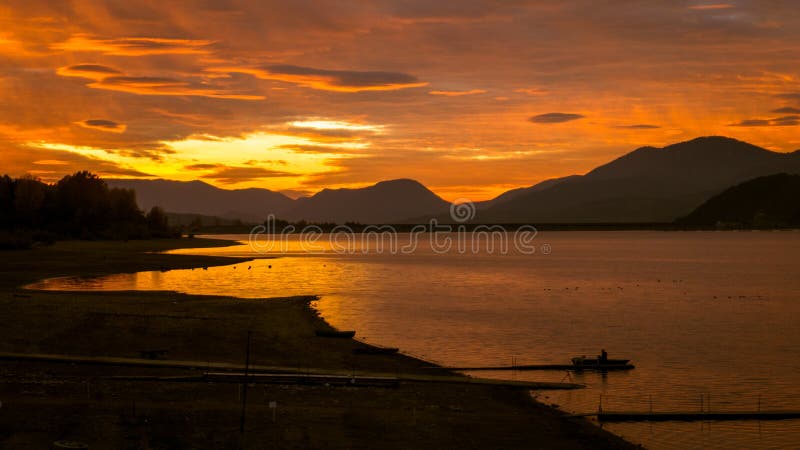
(469,98)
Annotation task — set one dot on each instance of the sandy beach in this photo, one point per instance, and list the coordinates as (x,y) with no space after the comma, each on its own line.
(104,406)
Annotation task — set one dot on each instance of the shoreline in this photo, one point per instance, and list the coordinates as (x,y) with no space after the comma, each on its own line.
(76,323)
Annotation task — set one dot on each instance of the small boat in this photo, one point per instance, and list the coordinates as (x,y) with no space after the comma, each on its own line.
(335,333)
(375,350)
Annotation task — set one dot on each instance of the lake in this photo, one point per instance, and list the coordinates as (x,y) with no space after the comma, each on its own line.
(708,318)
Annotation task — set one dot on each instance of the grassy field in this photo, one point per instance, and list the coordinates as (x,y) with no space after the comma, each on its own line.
(47,402)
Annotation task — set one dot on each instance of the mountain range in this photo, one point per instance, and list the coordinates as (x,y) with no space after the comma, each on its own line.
(646,185)
(197,197)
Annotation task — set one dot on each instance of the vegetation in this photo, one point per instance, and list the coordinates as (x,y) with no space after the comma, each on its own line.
(765,202)
(79,206)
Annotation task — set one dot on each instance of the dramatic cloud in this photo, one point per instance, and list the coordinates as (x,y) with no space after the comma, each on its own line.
(331,80)
(457,93)
(103,125)
(345,94)
(785,121)
(555,117)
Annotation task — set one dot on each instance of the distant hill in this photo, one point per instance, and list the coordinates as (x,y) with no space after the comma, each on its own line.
(189,221)
(647,185)
(385,202)
(197,197)
(765,202)
(514,193)
(391,201)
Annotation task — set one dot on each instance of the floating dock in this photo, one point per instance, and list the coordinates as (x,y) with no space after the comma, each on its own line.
(692,416)
(542,367)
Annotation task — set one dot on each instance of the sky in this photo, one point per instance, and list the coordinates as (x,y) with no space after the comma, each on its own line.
(469,97)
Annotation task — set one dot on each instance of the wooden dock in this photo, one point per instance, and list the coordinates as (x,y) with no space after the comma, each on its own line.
(691,416)
(303,379)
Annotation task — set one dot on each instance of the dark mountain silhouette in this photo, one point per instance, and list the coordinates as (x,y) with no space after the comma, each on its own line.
(198,197)
(514,193)
(765,202)
(647,185)
(391,201)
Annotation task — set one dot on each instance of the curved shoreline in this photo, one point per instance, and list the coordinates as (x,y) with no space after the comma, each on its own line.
(76,323)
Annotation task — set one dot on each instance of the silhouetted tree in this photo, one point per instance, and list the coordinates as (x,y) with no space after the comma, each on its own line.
(78,206)
(29,199)
(83,204)
(6,202)
(157,222)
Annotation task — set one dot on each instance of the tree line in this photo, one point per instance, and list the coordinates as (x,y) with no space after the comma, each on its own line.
(79,206)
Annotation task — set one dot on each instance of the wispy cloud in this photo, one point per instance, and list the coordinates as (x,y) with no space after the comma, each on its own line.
(237,174)
(111,79)
(103,125)
(531,91)
(712,6)
(133,46)
(330,80)
(785,121)
(322,148)
(90,71)
(457,93)
(202,166)
(555,117)
(638,126)
(787,110)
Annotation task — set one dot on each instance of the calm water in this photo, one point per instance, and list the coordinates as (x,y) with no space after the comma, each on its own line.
(700,314)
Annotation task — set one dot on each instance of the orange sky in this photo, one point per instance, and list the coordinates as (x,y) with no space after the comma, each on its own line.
(469,97)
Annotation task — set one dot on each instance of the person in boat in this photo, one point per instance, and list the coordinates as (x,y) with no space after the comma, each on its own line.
(603,356)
